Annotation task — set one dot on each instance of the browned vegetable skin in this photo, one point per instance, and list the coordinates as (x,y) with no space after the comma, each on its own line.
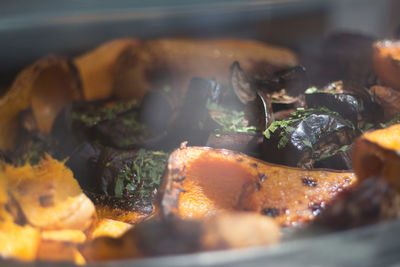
(389,99)
(97,68)
(377,153)
(174,62)
(45,86)
(176,236)
(386,62)
(201,181)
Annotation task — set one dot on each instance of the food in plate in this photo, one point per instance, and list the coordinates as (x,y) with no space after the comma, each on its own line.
(168,146)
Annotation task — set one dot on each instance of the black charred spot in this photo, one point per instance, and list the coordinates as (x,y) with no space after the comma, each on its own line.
(46,200)
(258,186)
(239,159)
(255,165)
(271,212)
(307,181)
(262,177)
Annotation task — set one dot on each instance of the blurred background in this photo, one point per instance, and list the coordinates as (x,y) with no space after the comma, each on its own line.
(31,29)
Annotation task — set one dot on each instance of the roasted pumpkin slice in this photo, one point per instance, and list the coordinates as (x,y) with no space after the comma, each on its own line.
(97,68)
(45,86)
(201,181)
(109,227)
(386,62)
(16,241)
(174,62)
(177,236)
(378,153)
(49,197)
(61,245)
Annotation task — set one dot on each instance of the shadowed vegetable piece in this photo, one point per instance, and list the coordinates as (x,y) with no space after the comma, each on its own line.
(386,62)
(155,63)
(308,136)
(374,200)
(248,143)
(177,236)
(45,86)
(202,181)
(389,99)
(377,153)
(61,245)
(352,102)
(97,68)
(122,184)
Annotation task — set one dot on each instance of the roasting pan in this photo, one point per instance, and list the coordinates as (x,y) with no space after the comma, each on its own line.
(29,30)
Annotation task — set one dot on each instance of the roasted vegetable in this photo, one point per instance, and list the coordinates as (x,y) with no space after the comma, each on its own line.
(352,102)
(43,212)
(248,143)
(389,100)
(386,62)
(308,136)
(201,181)
(49,197)
(108,227)
(174,62)
(176,236)
(126,181)
(61,246)
(35,87)
(16,240)
(372,201)
(97,68)
(376,153)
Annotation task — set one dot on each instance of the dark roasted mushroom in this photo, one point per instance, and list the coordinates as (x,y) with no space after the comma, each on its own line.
(306,137)
(352,102)
(126,180)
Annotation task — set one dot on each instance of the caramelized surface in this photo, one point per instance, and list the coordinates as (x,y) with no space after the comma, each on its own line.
(201,181)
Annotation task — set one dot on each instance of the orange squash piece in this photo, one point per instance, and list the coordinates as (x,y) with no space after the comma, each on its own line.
(174,62)
(46,86)
(378,153)
(61,245)
(201,181)
(177,236)
(49,197)
(108,227)
(386,62)
(16,241)
(97,68)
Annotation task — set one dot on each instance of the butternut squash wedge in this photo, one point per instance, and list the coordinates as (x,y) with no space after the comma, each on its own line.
(109,227)
(177,236)
(378,153)
(386,62)
(45,86)
(16,241)
(175,62)
(61,245)
(201,181)
(49,197)
(97,68)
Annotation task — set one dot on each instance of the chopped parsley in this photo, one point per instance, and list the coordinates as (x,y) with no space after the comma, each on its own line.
(230,120)
(287,128)
(34,153)
(142,175)
(95,115)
